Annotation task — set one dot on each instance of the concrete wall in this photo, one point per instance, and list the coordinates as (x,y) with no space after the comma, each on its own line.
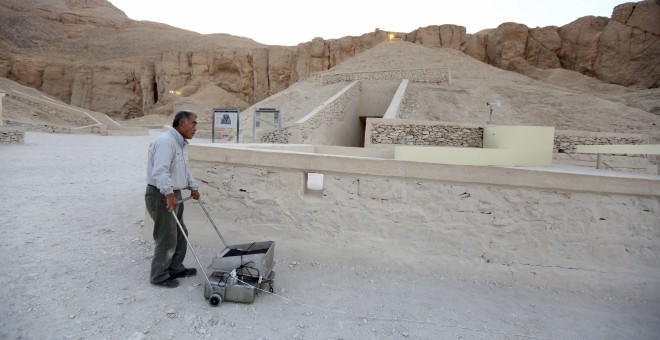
(561,230)
(337,121)
(331,123)
(336,124)
(375,97)
(459,156)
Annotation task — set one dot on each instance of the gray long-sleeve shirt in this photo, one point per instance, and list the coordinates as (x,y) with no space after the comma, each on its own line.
(167,165)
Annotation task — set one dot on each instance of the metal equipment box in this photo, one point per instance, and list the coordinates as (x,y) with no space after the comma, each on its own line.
(250,259)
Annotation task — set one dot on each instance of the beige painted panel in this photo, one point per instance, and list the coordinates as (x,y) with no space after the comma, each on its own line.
(648,149)
(531,145)
(454,155)
(2,94)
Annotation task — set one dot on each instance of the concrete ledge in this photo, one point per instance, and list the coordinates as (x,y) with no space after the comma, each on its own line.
(532,226)
(628,149)
(384,153)
(441,172)
(393,109)
(457,156)
(648,149)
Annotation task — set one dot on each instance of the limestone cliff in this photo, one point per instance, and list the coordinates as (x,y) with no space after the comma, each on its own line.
(90,54)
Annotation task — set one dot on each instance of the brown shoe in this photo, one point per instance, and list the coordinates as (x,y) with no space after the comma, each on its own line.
(168,283)
(185,273)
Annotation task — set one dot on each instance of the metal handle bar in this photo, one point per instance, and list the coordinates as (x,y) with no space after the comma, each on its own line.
(212,223)
(191,249)
(185,199)
(208,215)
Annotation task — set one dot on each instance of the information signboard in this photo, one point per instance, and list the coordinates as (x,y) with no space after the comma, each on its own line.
(225,119)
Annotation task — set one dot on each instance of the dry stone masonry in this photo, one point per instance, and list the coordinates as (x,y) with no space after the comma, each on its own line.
(427,134)
(326,117)
(565,141)
(392,131)
(12,135)
(434,75)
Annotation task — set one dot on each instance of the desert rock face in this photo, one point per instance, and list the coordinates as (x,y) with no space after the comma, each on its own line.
(507,44)
(580,43)
(630,45)
(89,54)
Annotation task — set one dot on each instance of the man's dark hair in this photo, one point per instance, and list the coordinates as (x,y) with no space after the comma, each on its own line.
(182,115)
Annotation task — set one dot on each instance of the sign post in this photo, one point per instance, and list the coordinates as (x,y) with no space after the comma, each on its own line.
(267,118)
(225,119)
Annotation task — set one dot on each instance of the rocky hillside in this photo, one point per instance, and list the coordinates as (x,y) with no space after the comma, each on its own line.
(88,53)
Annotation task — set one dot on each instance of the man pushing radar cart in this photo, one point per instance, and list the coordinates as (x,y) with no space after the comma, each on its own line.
(239,271)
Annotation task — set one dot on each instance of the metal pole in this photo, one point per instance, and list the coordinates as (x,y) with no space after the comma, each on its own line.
(212,223)
(279,127)
(191,249)
(238,125)
(213,127)
(254,126)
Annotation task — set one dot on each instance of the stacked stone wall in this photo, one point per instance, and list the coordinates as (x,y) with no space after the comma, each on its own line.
(427,134)
(453,134)
(39,127)
(74,117)
(434,75)
(566,141)
(12,135)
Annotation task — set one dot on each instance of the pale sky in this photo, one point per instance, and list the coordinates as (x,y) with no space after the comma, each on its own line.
(289,22)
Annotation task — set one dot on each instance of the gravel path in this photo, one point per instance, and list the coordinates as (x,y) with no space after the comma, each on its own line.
(75,267)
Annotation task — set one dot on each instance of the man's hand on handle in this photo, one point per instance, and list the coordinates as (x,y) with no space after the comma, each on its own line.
(171,202)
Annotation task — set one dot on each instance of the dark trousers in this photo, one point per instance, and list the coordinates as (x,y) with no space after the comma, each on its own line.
(171,245)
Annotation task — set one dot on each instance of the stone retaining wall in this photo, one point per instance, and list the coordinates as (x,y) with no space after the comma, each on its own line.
(325,118)
(39,127)
(418,132)
(74,117)
(12,135)
(433,75)
(566,140)
(410,132)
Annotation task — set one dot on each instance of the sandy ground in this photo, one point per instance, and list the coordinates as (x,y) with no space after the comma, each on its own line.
(75,267)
